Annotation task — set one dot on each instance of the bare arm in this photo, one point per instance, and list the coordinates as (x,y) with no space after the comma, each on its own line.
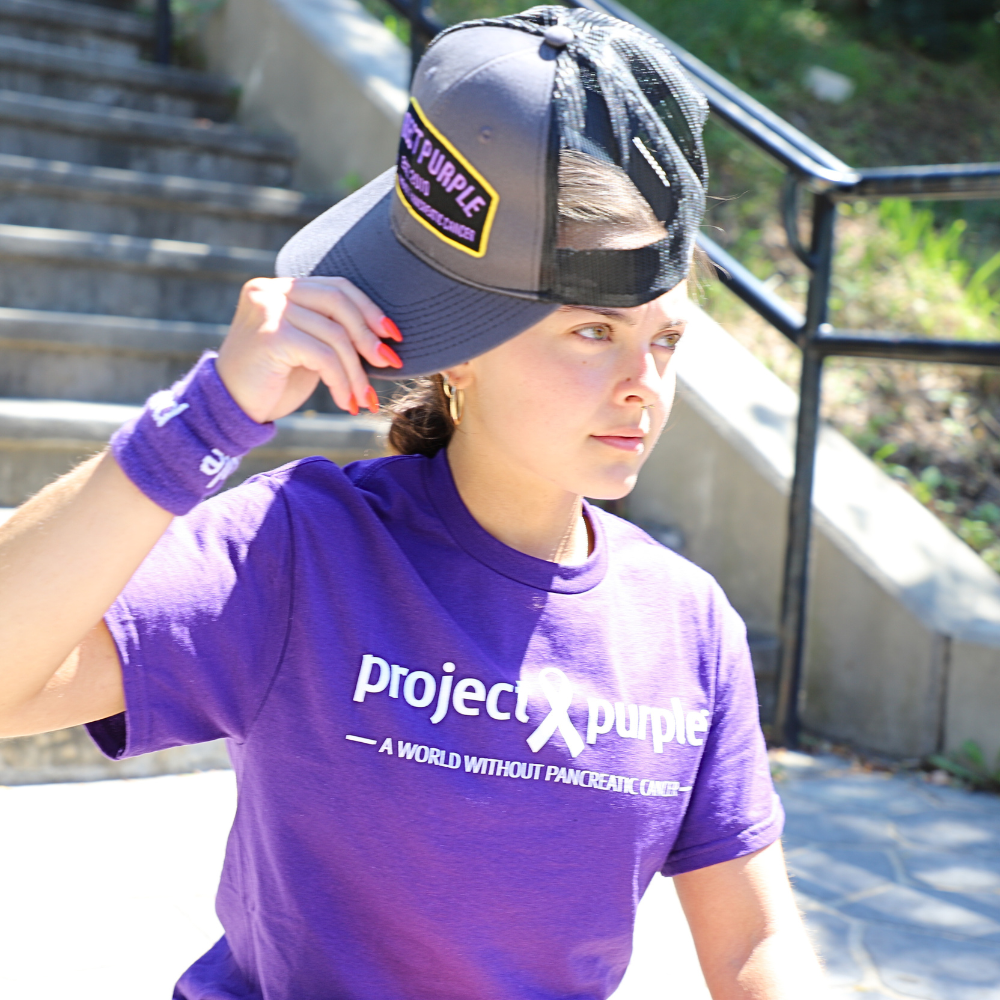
(64,557)
(68,552)
(750,938)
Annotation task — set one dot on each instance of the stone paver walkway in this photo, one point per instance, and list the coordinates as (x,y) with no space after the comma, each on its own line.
(107,887)
(899,880)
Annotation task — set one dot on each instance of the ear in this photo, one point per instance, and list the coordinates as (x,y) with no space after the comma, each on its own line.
(460,376)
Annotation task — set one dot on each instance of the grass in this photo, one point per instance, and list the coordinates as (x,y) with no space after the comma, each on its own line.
(934,428)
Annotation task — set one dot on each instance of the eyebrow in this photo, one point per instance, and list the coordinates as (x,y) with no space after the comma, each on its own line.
(623,316)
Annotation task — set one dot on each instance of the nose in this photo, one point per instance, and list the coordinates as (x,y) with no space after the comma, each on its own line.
(642,381)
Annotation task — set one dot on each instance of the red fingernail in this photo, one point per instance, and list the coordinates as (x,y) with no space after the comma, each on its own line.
(391,329)
(352,406)
(372,400)
(390,355)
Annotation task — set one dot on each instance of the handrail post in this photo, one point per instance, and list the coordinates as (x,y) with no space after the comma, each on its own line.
(795,592)
(418,38)
(164,39)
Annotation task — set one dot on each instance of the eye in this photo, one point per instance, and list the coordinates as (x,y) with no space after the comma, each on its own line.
(668,340)
(594,331)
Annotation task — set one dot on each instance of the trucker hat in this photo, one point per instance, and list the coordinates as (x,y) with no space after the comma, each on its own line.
(457,243)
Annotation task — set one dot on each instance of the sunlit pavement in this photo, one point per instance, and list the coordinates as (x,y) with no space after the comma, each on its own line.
(106,888)
(899,880)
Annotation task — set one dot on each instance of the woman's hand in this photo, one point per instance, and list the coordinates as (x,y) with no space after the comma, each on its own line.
(290,333)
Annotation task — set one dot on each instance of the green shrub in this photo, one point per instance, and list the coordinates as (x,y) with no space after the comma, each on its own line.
(969,764)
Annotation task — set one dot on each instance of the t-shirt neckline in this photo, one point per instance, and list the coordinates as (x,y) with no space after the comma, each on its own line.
(481,545)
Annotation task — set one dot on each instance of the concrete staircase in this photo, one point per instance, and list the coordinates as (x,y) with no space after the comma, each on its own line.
(131,212)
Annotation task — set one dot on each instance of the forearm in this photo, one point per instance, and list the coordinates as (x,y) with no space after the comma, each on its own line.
(781,966)
(751,941)
(65,555)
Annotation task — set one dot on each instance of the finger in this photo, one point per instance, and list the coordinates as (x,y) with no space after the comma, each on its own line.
(301,350)
(332,302)
(336,337)
(374,316)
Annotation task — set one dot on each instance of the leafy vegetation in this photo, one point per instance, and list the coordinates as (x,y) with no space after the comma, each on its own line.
(969,764)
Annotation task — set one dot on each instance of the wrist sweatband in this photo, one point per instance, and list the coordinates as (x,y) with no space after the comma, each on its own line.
(188,440)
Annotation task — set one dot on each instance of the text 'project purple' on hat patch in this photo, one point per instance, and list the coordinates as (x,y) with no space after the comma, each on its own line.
(440,188)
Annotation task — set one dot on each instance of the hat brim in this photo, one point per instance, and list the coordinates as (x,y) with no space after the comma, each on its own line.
(443,321)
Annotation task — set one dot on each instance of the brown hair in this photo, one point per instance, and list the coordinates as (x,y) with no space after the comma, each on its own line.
(421,423)
(599,208)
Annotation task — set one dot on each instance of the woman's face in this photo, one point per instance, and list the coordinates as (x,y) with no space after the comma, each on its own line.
(579,399)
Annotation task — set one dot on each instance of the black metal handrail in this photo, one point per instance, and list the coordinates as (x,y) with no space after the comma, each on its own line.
(163,32)
(814,169)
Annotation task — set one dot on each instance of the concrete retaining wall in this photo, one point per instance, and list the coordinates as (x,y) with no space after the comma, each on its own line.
(323,71)
(903,649)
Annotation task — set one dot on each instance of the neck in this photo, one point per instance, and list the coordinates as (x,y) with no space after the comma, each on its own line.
(525,512)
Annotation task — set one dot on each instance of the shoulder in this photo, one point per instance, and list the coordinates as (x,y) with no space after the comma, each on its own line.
(643,561)
(634,549)
(318,480)
(312,489)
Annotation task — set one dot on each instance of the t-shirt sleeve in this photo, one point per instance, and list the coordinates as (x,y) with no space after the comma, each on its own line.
(734,809)
(201,627)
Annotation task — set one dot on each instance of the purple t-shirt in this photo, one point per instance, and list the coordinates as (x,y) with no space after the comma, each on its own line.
(459,766)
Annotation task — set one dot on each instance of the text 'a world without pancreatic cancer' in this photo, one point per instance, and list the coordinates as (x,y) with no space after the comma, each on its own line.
(469,696)
(527,770)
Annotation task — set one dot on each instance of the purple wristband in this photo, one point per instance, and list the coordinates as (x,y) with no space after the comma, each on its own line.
(188,440)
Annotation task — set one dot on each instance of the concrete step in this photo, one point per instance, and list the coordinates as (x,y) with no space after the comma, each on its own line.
(49,70)
(57,194)
(126,5)
(95,29)
(42,439)
(55,129)
(123,275)
(112,359)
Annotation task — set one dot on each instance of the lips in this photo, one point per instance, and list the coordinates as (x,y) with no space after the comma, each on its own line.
(623,442)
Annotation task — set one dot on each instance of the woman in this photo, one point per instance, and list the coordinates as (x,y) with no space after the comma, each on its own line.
(470,715)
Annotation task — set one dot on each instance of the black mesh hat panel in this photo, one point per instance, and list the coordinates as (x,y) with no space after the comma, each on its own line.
(622,98)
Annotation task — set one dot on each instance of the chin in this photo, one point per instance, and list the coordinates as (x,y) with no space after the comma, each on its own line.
(612,487)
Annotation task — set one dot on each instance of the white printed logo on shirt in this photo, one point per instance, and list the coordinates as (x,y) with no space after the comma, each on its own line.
(560,695)
(604,718)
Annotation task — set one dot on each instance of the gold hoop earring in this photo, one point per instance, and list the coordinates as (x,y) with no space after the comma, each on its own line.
(456,402)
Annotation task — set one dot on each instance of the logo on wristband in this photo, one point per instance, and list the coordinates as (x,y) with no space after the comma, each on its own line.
(219,465)
(163,407)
